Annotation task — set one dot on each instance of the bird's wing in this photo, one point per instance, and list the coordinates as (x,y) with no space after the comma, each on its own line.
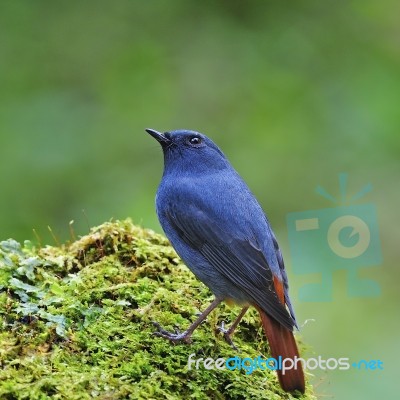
(237,257)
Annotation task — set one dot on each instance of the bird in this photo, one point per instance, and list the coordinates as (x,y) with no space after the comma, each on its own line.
(220,231)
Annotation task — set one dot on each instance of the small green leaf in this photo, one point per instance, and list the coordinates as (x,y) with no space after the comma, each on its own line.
(22,295)
(58,320)
(5,261)
(28,245)
(123,303)
(27,267)
(27,309)
(11,246)
(56,289)
(46,301)
(16,283)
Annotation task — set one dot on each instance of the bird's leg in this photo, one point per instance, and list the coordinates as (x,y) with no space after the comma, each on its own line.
(229,332)
(185,336)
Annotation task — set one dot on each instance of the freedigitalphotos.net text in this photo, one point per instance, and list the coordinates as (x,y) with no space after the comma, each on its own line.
(283,364)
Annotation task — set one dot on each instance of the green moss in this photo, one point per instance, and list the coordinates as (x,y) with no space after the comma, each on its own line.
(76,323)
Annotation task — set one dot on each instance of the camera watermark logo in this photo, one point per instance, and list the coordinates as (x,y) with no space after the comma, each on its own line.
(343,237)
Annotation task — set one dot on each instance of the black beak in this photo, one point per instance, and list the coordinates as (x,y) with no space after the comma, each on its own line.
(158,136)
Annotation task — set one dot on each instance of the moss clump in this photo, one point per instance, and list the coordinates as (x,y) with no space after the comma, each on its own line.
(76,323)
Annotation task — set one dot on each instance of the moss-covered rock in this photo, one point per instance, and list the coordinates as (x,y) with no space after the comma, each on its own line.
(76,323)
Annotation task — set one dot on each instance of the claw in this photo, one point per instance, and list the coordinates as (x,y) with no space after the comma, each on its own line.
(227,335)
(221,328)
(173,337)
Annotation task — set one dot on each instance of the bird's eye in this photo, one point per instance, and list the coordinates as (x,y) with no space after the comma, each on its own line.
(195,140)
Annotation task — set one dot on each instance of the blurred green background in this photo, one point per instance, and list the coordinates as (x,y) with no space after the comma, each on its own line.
(293,92)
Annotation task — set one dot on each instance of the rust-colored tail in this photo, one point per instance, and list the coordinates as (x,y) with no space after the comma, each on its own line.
(282,343)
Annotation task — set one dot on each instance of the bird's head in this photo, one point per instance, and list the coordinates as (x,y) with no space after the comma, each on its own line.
(189,151)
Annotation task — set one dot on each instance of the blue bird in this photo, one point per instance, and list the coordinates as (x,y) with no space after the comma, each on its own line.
(220,231)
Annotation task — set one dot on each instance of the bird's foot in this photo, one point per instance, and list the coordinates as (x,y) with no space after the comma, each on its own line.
(175,337)
(227,335)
